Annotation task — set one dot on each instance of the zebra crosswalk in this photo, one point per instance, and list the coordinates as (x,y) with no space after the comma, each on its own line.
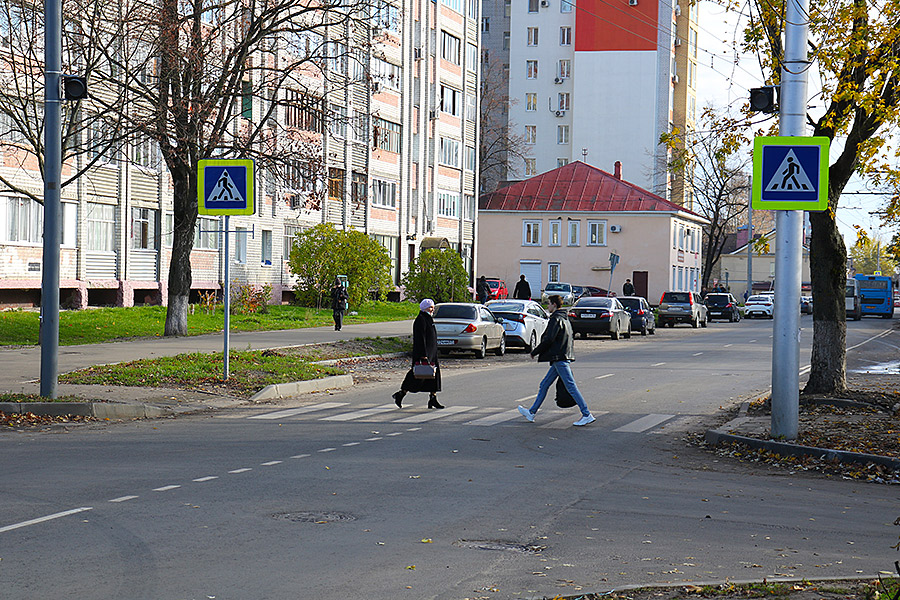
(549,417)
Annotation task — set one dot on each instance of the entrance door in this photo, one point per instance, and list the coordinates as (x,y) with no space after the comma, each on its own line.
(640,279)
(531,269)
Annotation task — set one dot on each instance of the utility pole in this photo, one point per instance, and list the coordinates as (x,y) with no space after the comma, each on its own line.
(749,244)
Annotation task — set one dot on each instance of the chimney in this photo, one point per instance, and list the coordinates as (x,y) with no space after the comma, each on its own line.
(618,170)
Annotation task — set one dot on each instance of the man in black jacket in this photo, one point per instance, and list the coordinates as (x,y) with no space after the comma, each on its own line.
(556,348)
(523,289)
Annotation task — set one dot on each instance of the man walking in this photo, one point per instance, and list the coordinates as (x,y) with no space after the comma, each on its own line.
(482,290)
(523,289)
(556,348)
(628,288)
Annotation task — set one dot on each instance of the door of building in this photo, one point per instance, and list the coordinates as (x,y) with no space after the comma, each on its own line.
(640,280)
(531,269)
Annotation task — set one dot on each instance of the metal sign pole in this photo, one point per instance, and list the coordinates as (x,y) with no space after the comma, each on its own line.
(227,285)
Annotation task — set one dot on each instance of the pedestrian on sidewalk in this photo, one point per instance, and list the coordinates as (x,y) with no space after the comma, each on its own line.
(424,350)
(523,289)
(339,299)
(483,290)
(628,288)
(556,347)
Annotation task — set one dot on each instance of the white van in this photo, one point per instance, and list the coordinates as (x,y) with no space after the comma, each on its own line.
(852,303)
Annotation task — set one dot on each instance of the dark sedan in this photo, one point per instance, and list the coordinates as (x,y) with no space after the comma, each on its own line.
(642,318)
(600,315)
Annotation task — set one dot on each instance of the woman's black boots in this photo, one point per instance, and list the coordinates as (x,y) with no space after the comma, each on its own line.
(433,403)
(398,398)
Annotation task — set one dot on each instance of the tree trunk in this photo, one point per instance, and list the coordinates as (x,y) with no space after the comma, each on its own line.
(828,272)
(185,219)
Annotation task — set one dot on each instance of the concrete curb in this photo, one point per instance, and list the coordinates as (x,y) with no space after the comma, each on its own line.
(292,388)
(99,410)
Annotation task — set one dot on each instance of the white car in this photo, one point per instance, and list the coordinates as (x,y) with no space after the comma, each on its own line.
(565,290)
(760,306)
(523,320)
(470,327)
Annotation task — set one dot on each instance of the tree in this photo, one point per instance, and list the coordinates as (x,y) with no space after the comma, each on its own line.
(712,166)
(499,144)
(854,46)
(868,255)
(323,252)
(439,275)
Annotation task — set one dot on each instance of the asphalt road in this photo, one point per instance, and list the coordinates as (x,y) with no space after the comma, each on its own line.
(340,496)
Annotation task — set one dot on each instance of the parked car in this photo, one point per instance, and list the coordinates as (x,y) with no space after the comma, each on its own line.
(642,318)
(523,320)
(682,307)
(600,315)
(498,288)
(760,306)
(470,327)
(806,304)
(562,289)
(593,292)
(577,291)
(852,300)
(722,306)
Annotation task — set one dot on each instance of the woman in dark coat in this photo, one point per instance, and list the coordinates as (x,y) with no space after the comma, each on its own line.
(424,348)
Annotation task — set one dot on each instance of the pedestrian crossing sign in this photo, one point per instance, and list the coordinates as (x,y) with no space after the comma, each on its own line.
(225,187)
(790,173)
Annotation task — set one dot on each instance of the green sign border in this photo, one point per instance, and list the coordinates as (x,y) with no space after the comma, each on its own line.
(821,204)
(247,163)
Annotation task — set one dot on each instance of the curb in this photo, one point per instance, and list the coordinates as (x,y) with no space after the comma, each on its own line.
(292,388)
(99,410)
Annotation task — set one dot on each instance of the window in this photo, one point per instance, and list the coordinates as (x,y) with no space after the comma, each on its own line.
(565,68)
(143,228)
(450,100)
(471,107)
(555,233)
(143,153)
(596,233)
(265,252)
(25,220)
(100,135)
(566,6)
(530,166)
(533,5)
(386,74)
(561,162)
(565,36)
(449,152)
(358,188)
(101,226)
(392,245)
(338,121)
(337,57)
(471,57)
(531,233)
(386,16)
(473,9)
(531,134)
(290,236)
(449,47)
(506,40)
(335,184)
(448,204)
(507,8)
(485,25)
(206,233)
(562,134)
(456,5)
(563,101)
(384,193)
(240,245)
(469,207)
(359,127)
(530,101)
(470,158)
(531,69)
(387,135)
(246,99)
(574,226)
(552,272)
(532,36)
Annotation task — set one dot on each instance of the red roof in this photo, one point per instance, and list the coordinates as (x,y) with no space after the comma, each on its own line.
(576,186)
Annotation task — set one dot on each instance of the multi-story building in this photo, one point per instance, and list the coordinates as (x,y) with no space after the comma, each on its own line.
(389,128)
(600,81)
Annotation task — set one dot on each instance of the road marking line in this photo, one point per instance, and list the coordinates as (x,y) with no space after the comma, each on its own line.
(166,488)
(604,376)
(395,433)
(281,414)
(301,456)
(435,414)
(373,439)
(697,353)
(507,415)
(414,429)
(123,499)
(805,370)
(644,423)
(728,345)
(271,463)
(327,450)
(65,513)
(347,445)
(207,478)
(751,341)
(240,470)
(359,414)
(566,422)
(658,364)
(874,337)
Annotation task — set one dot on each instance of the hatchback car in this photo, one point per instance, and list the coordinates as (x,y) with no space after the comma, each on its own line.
(469,327)
(593,291)
(806,304)
(722,306)
(564,290)
(682,307)
(523,320)
(760,306)
(642,318)
(498,288)
(600,315)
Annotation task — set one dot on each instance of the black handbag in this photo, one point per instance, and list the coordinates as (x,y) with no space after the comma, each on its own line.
(423,370)
(563,398)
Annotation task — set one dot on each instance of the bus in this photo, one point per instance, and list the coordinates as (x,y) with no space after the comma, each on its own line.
(876,295)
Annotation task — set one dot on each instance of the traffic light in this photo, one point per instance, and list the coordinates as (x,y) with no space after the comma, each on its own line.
(74,87)
(763,99)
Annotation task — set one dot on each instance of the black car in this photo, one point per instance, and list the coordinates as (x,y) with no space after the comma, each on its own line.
(642,318)
(600,315)
(722,306)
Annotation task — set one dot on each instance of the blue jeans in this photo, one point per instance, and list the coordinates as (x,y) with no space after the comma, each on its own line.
(561,369)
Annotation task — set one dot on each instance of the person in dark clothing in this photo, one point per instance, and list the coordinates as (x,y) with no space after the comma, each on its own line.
(424,349)
(556,347)
(628,288)
(482,290)
(339,299)
(523,289)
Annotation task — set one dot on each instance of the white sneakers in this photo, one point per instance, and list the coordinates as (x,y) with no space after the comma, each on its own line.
(581,421)
(529,416)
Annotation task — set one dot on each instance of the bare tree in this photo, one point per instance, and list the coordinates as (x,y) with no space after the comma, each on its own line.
(499,144)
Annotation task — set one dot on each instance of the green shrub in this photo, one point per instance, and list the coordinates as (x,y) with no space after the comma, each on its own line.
(247,298)
(439,275)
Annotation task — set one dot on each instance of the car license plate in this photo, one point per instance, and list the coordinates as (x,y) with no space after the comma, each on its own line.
(445,342)
(588,316)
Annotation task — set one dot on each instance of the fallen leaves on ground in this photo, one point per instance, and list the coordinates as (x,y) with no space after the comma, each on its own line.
(29,419)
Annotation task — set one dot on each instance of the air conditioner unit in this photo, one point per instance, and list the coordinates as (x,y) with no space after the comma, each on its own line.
(417,53)
(615,228)
(674,78)
(677,42)
(557,80)
(376,87)
(560,113)
(677,10)
(632,2)
(433,114)
(545,3)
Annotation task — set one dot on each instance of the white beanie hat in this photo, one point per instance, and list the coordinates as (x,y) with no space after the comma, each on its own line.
(426,304)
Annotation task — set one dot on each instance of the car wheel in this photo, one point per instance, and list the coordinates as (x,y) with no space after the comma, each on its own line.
(731,318)
(627,333)
(532,342)
(670,324)
(652,330)
(482,352)
(502,349)
(644,329)
(614,334)
(694,322)
(583,335)
(704,322)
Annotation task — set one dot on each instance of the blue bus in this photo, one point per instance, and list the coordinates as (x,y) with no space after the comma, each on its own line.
(876,295)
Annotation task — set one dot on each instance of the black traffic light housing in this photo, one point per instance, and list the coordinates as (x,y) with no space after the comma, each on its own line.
(74,87)
(762,99)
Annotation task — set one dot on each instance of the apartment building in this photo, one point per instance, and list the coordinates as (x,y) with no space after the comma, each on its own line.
(388,131)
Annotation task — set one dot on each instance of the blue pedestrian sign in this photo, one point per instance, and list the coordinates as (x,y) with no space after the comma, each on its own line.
(790,173)
(225,187)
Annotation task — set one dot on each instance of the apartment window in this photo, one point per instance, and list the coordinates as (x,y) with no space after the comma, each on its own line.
(530,101)
(561,162)
(290,236)
(335,184)
(471,57)
(456,5)
(565,36)
(240,245)
(531,69)
(387,134)
(450,100)
(449,152)
(449,47)
(471,107)
(530,166)
(25,220)
(143,153)
(470,158)
(143,228)
(533,5)
(448,204)
(506,40)
(553,272)
(101,226)
(507,7)
(99,136)
(563,101)
(531,134)
(469,207)
(265,253)
(532,36)
(565,68)
(485,25)
(358,188)
(566,6)
(338,121)
(206,233)
(562,134)
(574,226)
(473,9)
(596,233)
(386,74)
(384,193)
(555,233)
(531,233)
(246,100)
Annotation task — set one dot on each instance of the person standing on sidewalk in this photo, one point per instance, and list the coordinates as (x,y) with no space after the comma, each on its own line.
(556,348)
(628,288)
(483,290)
(339,298)
(424,349)
(523,289)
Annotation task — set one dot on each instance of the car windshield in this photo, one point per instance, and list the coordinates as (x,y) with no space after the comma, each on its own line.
(455,311)
(506,307)
(759,299)
(594,302)
(633,303)
(558,287)
(717,299)
(493,284)
(677,297)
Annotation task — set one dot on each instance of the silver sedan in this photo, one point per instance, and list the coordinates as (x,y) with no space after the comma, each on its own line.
(523,320)
(470,327)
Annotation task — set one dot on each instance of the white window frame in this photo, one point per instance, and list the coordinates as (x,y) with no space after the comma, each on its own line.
(24,221)
(531,69)
(144,227)
(531,101)
(566,6)
(206,233)
(565,36)
(555,238)
(531,166)
(531,232)
(564,101)
(574,237)
(596,232)
(562,134)
(101,227)
(533,36)
(449,152)
(451,100)
(384,193)
(450,47)
(531,134)
(448,204)
(240,245)
(565,68)
(561,162)
(265,248)
(553,272)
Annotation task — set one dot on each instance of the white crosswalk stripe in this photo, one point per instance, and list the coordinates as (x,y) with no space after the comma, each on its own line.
(291,412)
(489,420)
(644,423)
(435,414)
(360,414)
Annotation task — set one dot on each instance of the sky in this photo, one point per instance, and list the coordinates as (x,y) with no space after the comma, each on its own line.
(724,80)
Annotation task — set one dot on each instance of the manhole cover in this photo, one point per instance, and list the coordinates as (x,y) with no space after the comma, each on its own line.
(501,545)
(316,517)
